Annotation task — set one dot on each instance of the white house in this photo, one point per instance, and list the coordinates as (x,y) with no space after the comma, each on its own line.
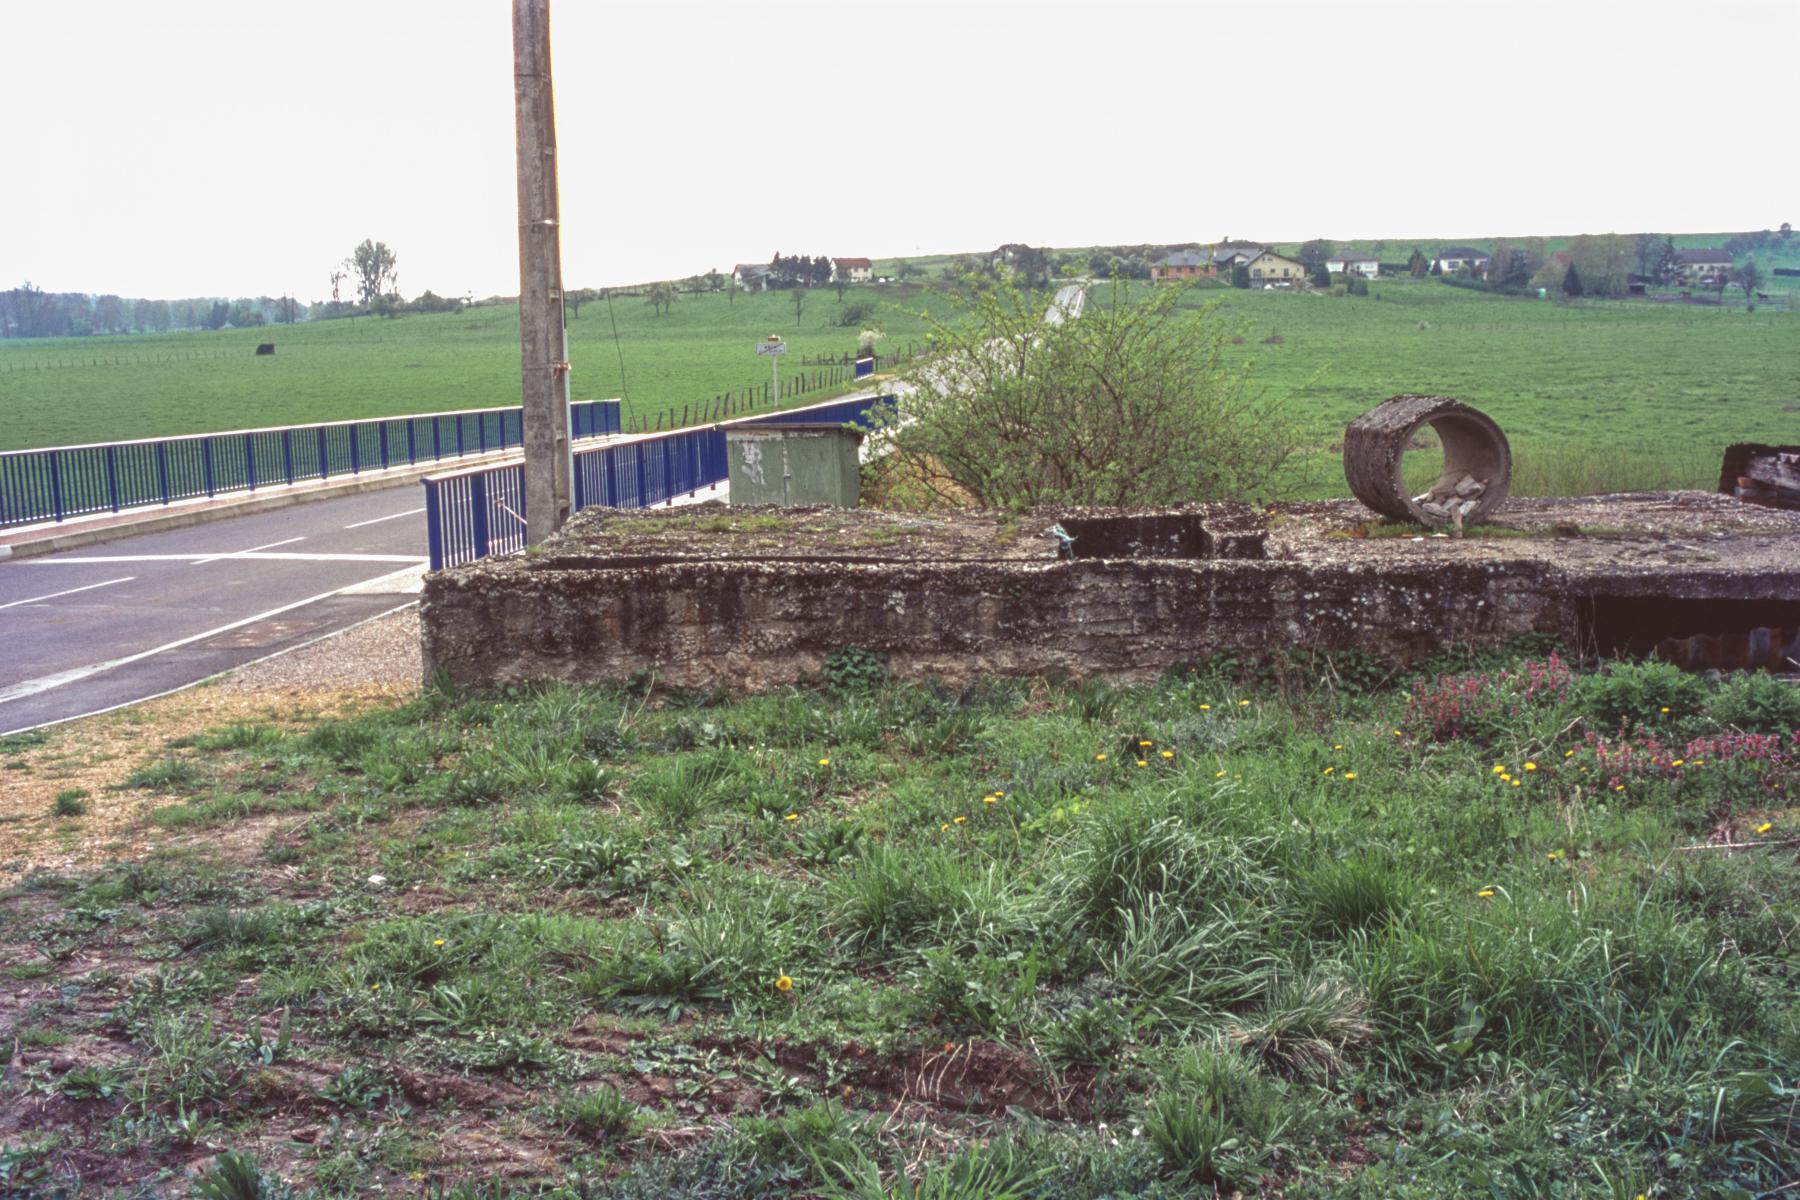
(752,277)
(853,270)
(1455,258)
(1701,266)
(1353,264)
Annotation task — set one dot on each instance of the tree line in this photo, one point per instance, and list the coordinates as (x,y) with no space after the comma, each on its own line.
(28,311)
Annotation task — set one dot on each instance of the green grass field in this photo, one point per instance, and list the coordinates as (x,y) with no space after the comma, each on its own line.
(1021,941)
(1594,395)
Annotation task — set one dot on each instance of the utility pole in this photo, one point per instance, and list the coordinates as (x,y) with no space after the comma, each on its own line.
(543,337)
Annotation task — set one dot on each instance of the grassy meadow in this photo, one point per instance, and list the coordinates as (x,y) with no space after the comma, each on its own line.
(1314,931)
(1594,396)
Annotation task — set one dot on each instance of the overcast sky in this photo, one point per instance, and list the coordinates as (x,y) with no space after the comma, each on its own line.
(207,147)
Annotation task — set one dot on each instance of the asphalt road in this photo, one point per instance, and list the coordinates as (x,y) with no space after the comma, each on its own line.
(96,628)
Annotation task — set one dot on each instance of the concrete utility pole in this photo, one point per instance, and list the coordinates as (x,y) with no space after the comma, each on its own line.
(543,337)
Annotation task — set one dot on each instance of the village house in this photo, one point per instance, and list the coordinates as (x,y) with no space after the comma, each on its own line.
(1455,258)
(1703,267)
(1224,258)
(852,270)
(752,277)
(1183,264)
(1353,264)
(1269,269)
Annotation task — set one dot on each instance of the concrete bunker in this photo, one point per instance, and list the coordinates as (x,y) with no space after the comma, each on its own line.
(1477,470)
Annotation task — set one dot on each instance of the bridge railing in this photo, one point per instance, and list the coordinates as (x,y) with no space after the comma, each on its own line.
(480,511)
(58,482)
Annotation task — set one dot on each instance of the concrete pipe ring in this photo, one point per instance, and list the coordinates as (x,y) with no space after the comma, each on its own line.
(1477,461)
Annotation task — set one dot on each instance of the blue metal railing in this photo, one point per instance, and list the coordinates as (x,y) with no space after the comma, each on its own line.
(59,482)
(481,511)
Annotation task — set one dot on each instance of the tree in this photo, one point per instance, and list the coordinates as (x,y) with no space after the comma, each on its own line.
(840,284)
(1749,277)
(1131,403)
(1320,276)
(714,280)
(1418,266)
(1664,262)
(1572,281)
(1437,266)
(660,297)
(1240,276)
(1315,252)
(376,269)
(799,295)
(732,288)
(906,270)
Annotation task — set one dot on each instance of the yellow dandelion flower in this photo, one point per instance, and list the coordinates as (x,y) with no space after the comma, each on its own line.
(1329,770)
(1665,708)
(1618,787)
(990,799)
(960,820)
(1243,704)
(1568,754)
(1554,855)
(439,942)
(1504,776)
(1099,758)
(943,827)
(1698,762)
(1168,754)
(374,987)
(1146,743)
(1499,768)
(1765,827)
(1349,774)
(1206,708)
(1485,893)
(791,817)
(1339,746)
(1515,783)
(824,762)
(784,984)
(1531,766)
(1397,733)
(1218,774)
(1678,762)
(998,793)
(1142,763)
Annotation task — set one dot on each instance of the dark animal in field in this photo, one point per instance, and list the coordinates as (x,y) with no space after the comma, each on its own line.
(266,348)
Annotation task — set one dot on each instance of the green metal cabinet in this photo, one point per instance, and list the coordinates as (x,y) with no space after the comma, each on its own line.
(794,464)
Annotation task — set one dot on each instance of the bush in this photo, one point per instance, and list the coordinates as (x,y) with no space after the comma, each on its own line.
(1131,403)
(1483,707)
(1651,694)
(1757,703)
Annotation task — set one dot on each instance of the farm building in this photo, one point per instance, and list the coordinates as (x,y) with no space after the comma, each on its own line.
(1183,264)
(752,277)
(1225,257)
(1353,264)
(852,270)
(1701,266)
(1456,258)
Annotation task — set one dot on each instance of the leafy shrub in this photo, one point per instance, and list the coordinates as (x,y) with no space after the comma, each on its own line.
(1757,702)
(854,669)
(1649,694)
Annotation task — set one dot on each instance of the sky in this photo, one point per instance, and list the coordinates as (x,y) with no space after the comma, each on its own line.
(212,148)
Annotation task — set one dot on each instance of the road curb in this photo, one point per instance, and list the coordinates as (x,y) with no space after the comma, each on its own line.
(50,543)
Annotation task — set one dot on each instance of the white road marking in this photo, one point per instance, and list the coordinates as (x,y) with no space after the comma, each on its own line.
(411,512)
(251,550)
(279,556)
(44,683)
(70,591)
(185,686)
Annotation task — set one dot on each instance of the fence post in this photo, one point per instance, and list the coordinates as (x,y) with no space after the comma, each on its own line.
(611,463)
(434,529)
(478,517)
(287,455)
(437,439)
(56,483)
(112,477)
(382,429)
(162,469)
(668,455)
(205,465)
(324,455)
(481,432)
(459,435)
(580,492)
(250,460)
(412,444)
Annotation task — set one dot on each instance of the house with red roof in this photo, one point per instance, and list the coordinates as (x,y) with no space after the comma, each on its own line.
(852,270)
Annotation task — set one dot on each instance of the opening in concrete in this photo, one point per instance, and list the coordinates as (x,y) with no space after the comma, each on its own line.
(1173,535)
(1393,449)
(1697,635)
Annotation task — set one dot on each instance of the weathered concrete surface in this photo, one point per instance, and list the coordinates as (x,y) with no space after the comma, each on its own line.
(758,597)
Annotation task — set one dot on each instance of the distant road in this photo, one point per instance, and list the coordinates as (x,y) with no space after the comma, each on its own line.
(92,629)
